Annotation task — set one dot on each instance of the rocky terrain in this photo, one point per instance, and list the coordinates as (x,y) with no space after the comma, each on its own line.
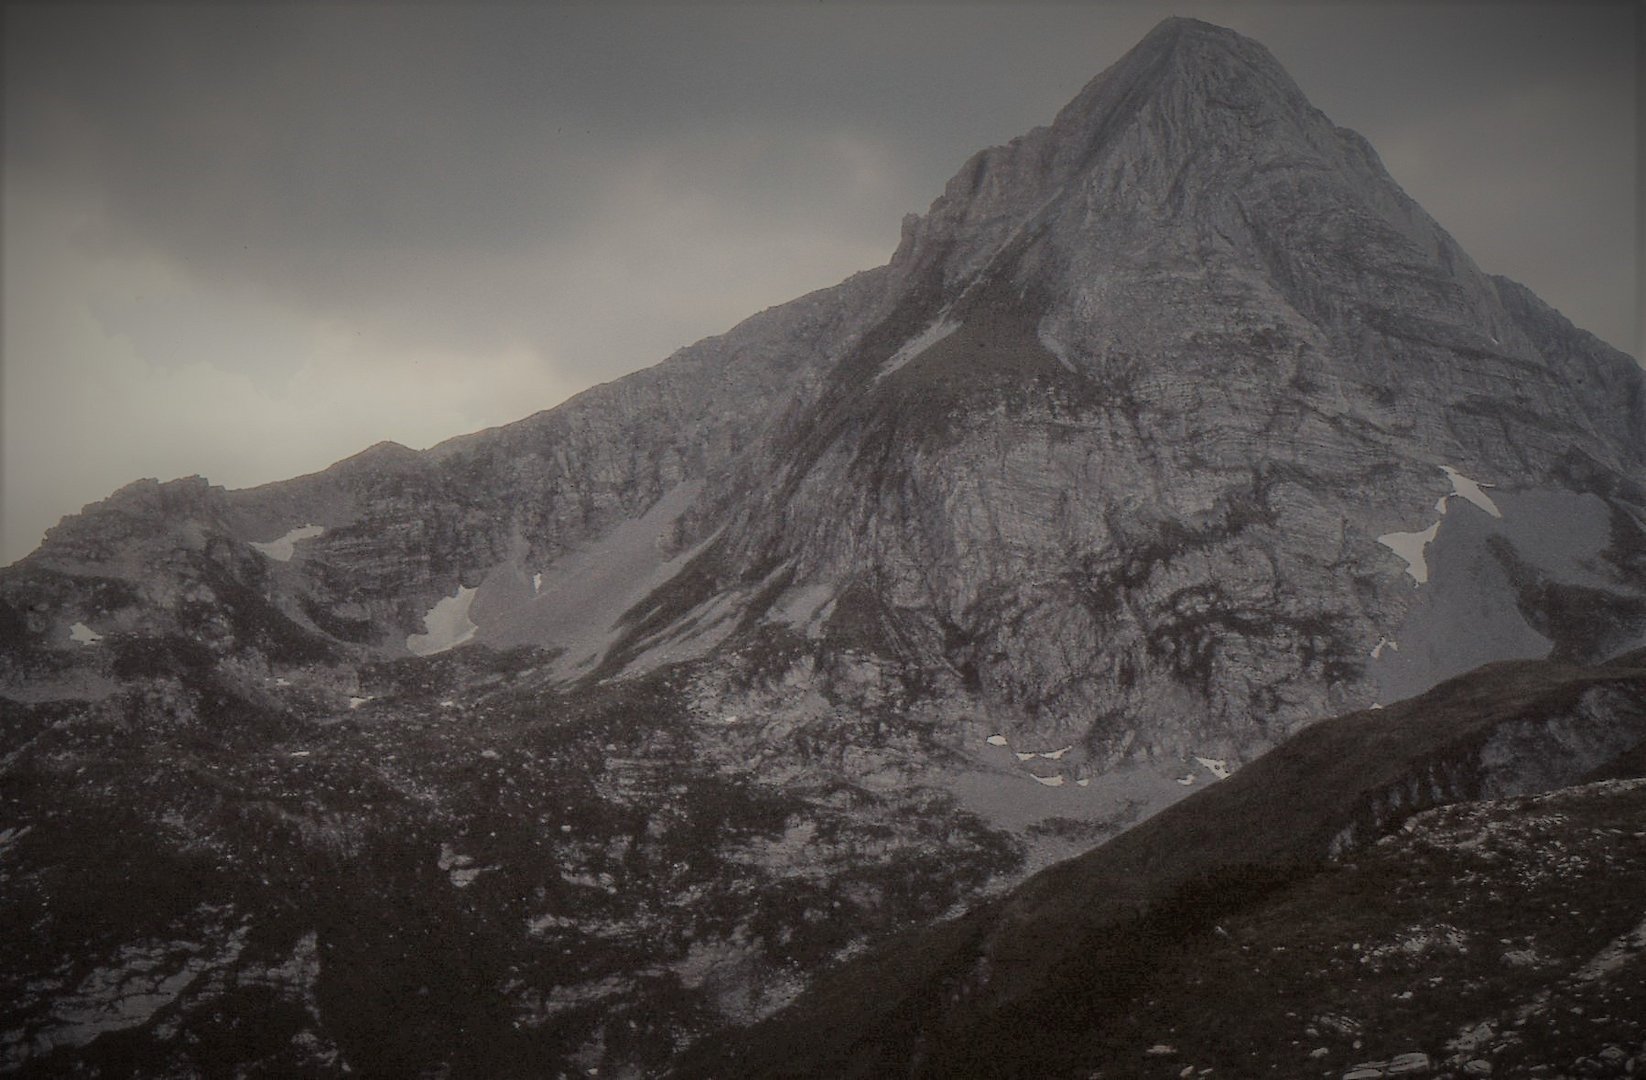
(1169,430)
(456,868)
(1417,883)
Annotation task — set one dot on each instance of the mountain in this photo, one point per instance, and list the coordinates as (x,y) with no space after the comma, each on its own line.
(1169,429)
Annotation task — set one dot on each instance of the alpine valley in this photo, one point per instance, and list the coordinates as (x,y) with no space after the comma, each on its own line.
(1057,652)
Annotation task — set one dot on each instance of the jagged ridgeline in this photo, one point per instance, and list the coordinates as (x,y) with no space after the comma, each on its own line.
(1169,430)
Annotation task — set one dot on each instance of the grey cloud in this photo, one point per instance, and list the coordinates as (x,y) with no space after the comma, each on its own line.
(335,152)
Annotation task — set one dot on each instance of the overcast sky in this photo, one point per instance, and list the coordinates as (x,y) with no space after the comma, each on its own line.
(249,240)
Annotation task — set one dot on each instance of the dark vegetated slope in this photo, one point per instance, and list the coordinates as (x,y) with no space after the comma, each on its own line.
(997,991)
(461,872)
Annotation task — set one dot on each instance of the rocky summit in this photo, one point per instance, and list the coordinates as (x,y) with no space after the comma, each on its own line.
(585,743)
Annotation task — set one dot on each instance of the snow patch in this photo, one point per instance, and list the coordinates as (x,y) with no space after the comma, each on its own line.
(1048,781)
(803,608)
(1021,756)
(1059,351)
(1186,780)
(356,702)
(1216,766)
(578,603)
(458,867)
(1384,643)
(281,550)
(1410,546)
(1470,490)
(84,634)
(996,740)
(448,625)
(918,344)
(1053,755)
(537,583)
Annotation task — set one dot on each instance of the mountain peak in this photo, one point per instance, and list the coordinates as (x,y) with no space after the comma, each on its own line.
(1188,107)
(1178,27)
(1193,63)
(1206,39)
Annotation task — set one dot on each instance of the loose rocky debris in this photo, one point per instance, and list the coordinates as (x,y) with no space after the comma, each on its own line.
(1413,1063)
(1492,939)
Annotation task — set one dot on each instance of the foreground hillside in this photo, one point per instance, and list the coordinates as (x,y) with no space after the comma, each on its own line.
(465,871)
(1099,958)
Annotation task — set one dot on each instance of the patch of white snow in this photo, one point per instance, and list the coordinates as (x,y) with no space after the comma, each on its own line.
(1059,351)
(1218,767)
(1053,755)
(281,550)
(449,858)
(356,702)
(1410,546)
(1048,781)
(1021,756)
(918,344)
(1469,489)
(800,607)
(1384,643)
(996,740)
(448,625)
(84,634)
(1186,780)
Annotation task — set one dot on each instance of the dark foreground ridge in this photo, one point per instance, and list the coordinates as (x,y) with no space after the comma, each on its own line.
(1315,895)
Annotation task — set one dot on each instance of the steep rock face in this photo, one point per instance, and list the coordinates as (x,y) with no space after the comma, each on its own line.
(400,529)
(1163,374)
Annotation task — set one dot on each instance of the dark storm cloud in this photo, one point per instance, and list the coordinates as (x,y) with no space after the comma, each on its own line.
(336,153)
(332,152)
